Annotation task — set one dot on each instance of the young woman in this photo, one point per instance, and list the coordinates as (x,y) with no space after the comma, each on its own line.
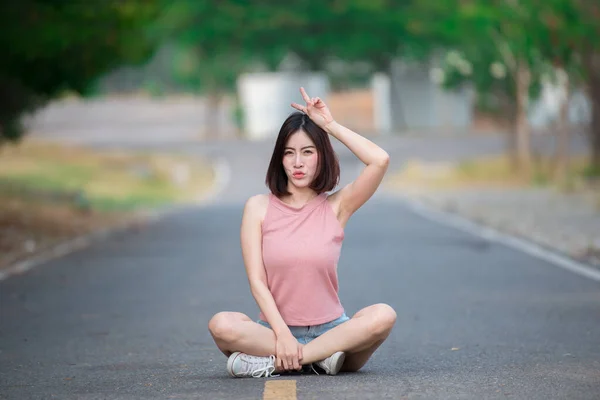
(291,240)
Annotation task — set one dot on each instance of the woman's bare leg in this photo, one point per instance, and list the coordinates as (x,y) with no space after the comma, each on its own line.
(233,331)
(359,337)
(355,361)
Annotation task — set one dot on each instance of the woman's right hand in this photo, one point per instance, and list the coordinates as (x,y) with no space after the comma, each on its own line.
(289,353)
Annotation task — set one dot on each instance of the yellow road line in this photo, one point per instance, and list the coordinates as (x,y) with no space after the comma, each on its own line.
(280,390)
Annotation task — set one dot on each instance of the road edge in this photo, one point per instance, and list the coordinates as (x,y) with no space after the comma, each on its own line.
(222,176)
(487,232)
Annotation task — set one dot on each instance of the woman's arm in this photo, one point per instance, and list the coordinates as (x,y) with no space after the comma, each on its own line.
(289,350)
(354,195)
(251,240)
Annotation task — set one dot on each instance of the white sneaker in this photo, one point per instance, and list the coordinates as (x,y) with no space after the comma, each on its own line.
(241,365)
(332,364)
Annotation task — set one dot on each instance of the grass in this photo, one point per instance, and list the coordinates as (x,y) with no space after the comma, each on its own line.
(499,170)
(104,181)
(51,193)
(490,171)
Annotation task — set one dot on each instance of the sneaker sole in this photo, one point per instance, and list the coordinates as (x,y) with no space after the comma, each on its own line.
(230,361)
(339,359)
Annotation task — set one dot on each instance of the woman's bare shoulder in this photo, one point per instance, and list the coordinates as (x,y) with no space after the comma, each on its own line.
(257,205)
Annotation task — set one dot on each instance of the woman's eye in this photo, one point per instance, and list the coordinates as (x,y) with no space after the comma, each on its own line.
(308,152)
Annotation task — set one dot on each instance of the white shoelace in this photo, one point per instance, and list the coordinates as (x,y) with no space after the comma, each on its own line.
(312,367)
(258,367)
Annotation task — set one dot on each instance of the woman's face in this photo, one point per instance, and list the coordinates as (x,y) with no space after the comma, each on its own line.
(300,159)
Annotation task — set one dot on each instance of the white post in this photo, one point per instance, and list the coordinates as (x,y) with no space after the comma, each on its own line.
(382,110)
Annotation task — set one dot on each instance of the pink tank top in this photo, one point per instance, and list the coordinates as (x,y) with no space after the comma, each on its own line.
(301,248)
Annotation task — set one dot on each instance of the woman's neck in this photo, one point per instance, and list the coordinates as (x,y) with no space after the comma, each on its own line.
(298,198)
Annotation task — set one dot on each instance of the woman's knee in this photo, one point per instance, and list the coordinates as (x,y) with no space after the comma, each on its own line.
(383,317)
(222,326)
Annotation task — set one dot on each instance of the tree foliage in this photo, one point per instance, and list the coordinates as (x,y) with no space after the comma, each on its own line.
(508,48)
(54,46)
(505,47)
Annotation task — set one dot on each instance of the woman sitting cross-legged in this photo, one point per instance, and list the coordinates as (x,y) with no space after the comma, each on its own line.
(291,241)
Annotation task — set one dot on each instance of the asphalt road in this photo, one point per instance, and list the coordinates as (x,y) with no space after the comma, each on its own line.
(126,318)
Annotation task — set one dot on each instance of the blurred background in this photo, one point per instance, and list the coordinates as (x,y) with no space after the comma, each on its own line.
(88,87)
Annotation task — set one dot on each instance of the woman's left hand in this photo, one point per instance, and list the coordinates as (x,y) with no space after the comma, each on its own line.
(316,110)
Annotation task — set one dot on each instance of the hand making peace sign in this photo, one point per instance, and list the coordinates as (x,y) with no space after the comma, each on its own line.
(315,108)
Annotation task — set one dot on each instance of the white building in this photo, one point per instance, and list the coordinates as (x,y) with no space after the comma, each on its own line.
(266,99)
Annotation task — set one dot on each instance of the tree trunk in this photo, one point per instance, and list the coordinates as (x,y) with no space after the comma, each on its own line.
(593,70)
(563,132)
(512,136)
(522,129)
(213,106)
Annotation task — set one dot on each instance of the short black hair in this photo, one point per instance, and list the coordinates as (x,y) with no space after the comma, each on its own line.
(328,170)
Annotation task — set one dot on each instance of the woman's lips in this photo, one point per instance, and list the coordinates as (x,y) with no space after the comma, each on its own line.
(298,174)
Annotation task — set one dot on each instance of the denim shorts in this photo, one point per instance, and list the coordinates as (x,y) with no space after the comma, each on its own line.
(305,334)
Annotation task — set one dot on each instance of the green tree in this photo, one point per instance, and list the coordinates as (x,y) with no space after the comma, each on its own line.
(53,46)
(229,37)
(582,32)
(506,46)
(500,42)
(216,43)
(520,42)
